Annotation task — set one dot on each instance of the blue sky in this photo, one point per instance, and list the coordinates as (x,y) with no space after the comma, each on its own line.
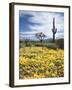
(32,22)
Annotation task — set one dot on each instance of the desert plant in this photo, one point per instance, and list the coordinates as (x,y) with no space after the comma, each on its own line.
(60,43)
(54,30)
(40,36)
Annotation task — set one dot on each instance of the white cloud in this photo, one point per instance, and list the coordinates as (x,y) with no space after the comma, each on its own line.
(46,21)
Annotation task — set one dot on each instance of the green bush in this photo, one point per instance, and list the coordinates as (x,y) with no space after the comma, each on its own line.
(60,43)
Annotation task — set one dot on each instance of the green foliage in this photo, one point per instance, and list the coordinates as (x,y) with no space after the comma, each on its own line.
(60,43)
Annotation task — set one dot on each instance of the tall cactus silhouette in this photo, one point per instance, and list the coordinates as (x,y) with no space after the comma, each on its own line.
(54,30)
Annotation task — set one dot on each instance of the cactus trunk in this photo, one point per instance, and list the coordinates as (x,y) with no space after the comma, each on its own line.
(53,37)
(54,30)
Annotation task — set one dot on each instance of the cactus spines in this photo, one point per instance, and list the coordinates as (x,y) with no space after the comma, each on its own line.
(54,30)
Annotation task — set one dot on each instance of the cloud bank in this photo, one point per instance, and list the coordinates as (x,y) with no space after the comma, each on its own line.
(32,22)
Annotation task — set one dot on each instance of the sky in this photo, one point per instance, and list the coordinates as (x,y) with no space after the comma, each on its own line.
(32,22)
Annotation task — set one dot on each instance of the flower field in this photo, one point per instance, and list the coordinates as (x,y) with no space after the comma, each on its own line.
(41,62)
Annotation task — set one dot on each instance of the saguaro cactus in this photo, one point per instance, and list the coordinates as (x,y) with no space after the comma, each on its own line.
(54,30)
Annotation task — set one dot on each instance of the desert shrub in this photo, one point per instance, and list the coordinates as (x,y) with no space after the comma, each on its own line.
(38,44)
(52,46)
(60,43)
